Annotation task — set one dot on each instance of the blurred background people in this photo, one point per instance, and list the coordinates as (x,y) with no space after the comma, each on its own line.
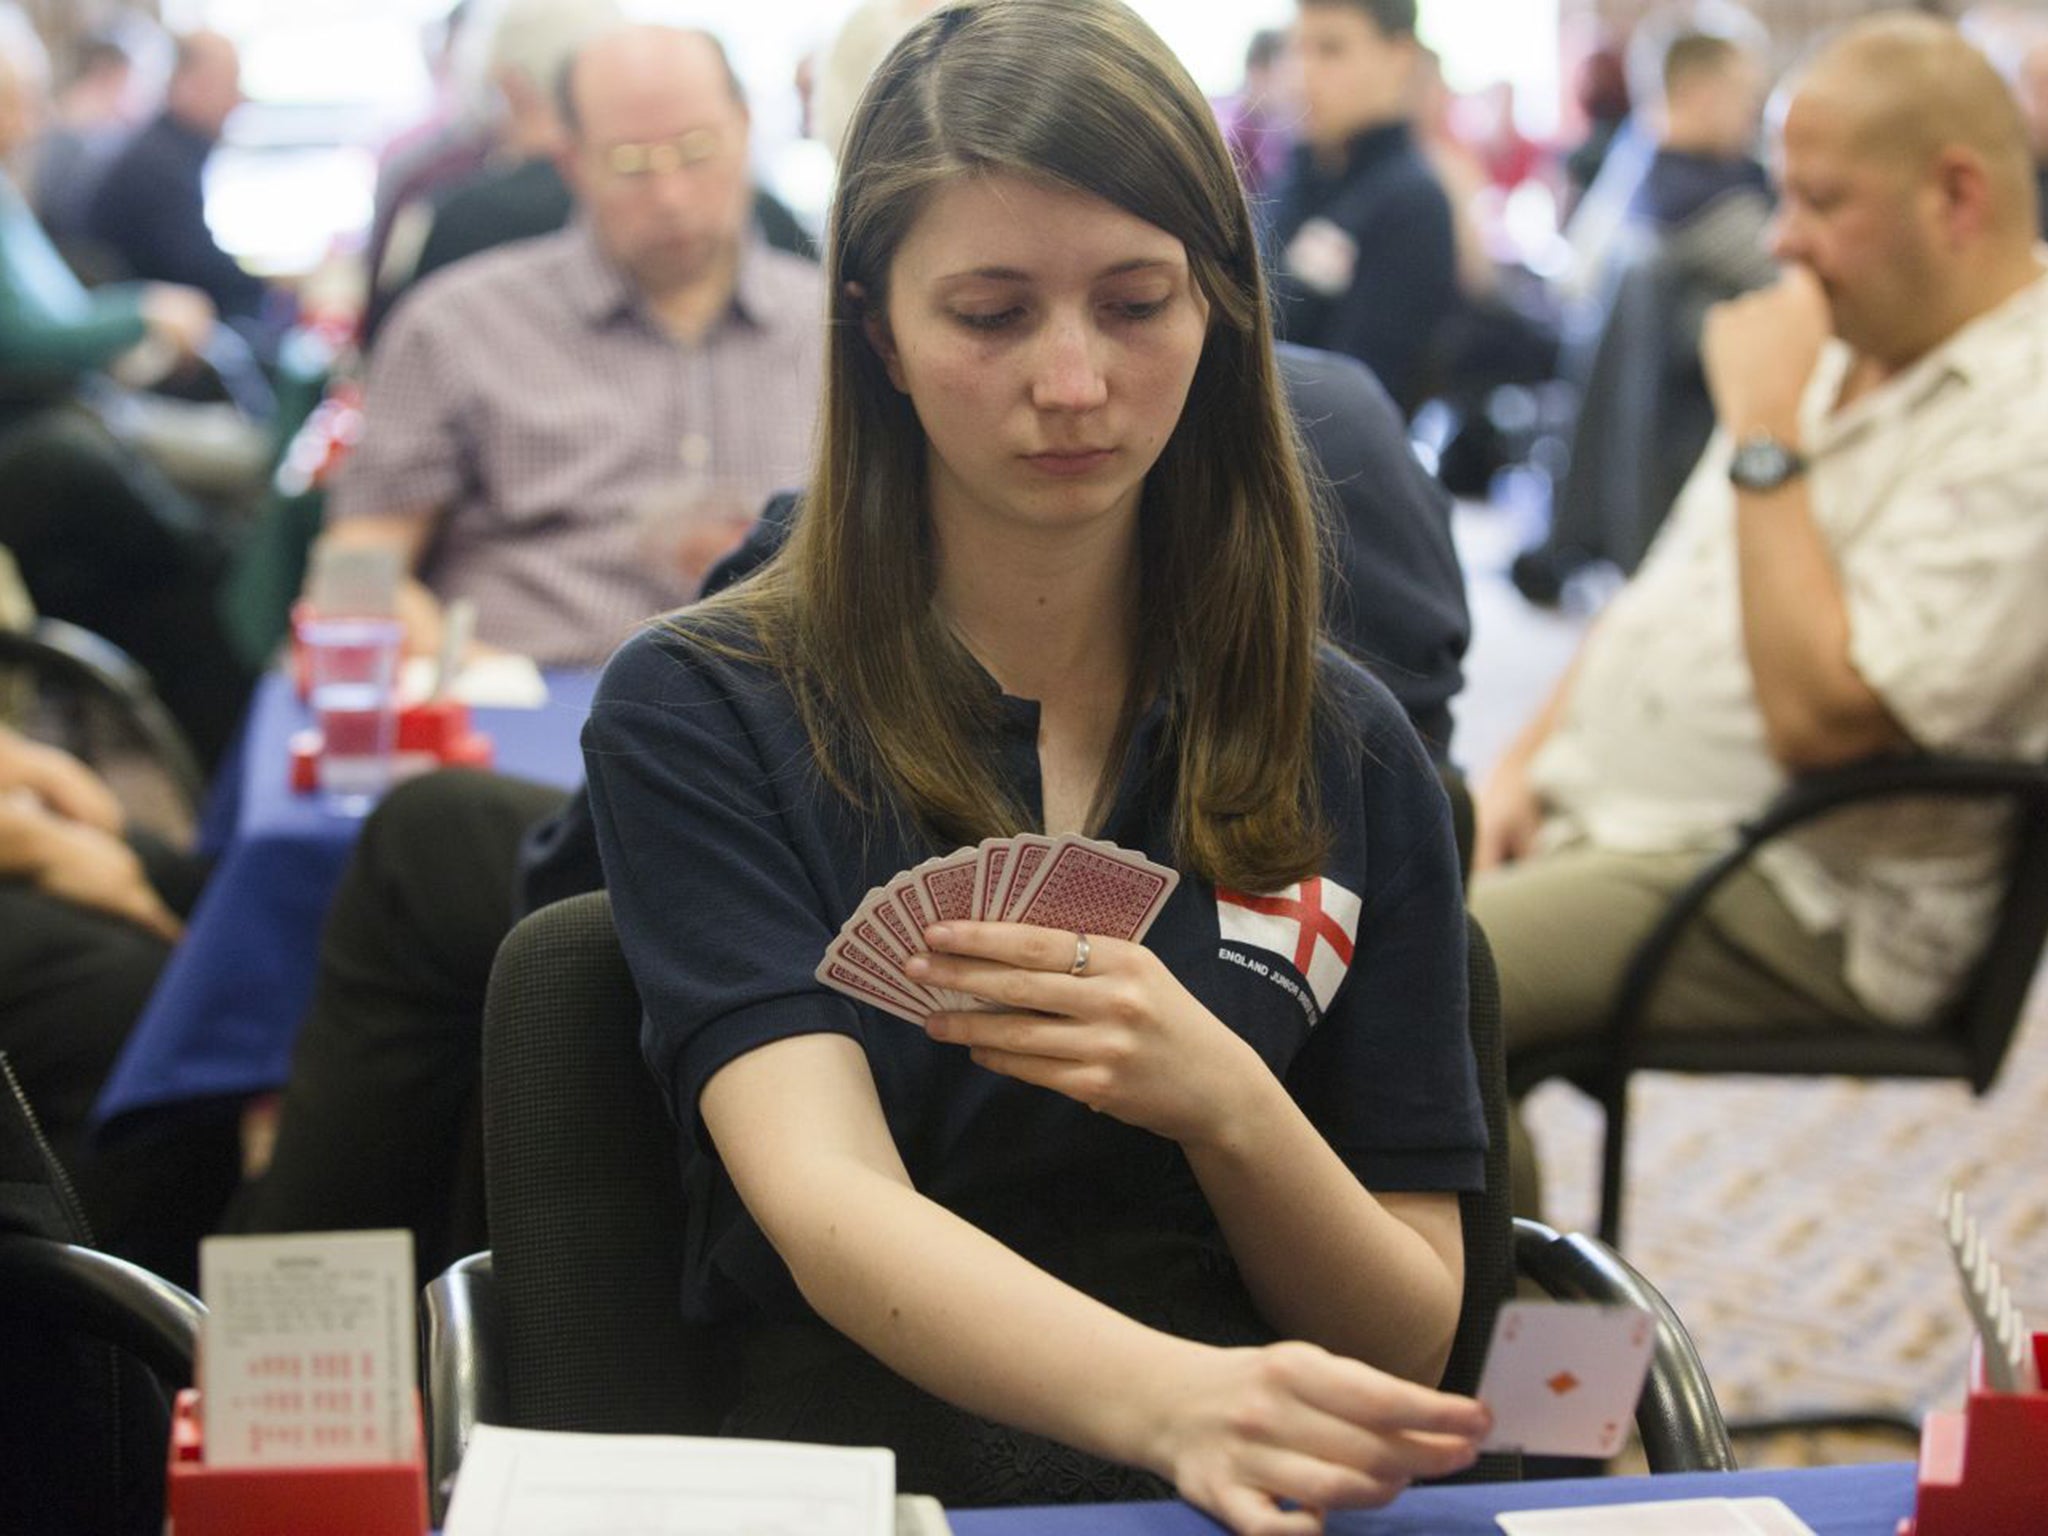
(450,143)
(517,192)
(1709,109)
(572,429)
(101,537)
(1259,117)
(523,193)
(1500,335)
(90,907)
(1853,570)
(1461,171)
(1600,90)
(149,208)
(1693,234)
(95,110)
(1510,156)
(1364,257)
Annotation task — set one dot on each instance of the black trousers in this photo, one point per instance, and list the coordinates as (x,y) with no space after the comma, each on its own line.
(380,1123)
(72,983)
(105,542)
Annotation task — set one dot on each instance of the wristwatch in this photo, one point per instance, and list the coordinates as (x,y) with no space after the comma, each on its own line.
(1763,463)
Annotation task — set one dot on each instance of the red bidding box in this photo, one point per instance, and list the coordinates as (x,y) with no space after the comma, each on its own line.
(440,729)
(435,733)
(1984,1471)
(367,1499)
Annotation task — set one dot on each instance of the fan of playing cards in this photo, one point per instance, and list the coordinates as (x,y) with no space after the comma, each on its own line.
(1078,884)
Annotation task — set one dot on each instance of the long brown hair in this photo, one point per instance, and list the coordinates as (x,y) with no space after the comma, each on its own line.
(1081,95)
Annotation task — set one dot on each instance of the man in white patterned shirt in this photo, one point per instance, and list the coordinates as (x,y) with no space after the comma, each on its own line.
(1855,568)
(571,430)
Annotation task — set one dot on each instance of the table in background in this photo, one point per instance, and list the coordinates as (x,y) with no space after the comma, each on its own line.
(227,1008)
(1835,1501)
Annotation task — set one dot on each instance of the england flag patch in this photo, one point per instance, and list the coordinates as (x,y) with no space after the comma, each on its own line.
(1312,925)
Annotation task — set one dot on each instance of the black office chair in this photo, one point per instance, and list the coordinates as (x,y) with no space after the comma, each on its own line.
(81,1289)
(1486,1219)
(92,1349)
(90,693)
(1679,1419)
(572,1321)
(1966,1042)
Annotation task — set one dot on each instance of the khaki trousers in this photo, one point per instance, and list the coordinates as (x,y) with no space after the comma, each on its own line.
(1563,926)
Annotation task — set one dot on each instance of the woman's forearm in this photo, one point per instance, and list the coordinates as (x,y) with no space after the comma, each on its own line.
(969,1320)
(928,1294)
(1325,1260)
(1241,1432)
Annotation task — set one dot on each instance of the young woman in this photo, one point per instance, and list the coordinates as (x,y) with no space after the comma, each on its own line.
(1056,570)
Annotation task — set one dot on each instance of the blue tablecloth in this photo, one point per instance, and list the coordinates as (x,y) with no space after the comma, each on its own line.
(1835,1501)
(227,1008)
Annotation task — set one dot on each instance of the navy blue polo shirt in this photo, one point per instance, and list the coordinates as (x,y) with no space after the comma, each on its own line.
(1397,281)
(731,865)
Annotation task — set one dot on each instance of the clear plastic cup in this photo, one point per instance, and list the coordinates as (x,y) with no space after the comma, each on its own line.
(352,665)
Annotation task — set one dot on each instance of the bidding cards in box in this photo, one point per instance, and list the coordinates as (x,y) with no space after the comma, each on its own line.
(308,1356)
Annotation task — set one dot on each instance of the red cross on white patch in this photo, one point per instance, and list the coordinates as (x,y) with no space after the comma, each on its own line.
(1313,925)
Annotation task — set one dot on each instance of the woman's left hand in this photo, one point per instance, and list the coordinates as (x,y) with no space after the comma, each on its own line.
(1122,1035)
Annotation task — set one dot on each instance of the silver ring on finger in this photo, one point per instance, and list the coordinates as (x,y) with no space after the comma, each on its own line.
(1080,965)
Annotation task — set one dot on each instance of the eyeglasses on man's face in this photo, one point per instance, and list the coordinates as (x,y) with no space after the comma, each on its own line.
(639,162)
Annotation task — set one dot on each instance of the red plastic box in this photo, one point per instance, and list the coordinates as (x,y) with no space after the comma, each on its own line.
(1984,1471)
(380,1499)
(433,734)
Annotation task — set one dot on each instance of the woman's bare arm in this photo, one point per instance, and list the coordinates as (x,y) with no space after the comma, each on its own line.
(802,1133)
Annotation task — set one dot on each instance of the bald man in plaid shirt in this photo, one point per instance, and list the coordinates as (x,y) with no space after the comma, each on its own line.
(570,430)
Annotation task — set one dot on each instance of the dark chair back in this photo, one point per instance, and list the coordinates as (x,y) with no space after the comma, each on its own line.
(80,678)
(1487,1217)
(1988,1013)
(91,1349)
(584,1193)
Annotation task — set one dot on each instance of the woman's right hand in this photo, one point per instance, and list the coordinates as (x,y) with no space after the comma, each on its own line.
(1268,1439)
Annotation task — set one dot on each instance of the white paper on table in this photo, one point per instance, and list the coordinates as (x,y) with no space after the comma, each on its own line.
(308,1354)
(1677,1517)
(522,1482)
(1773,1517)
(497,681)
